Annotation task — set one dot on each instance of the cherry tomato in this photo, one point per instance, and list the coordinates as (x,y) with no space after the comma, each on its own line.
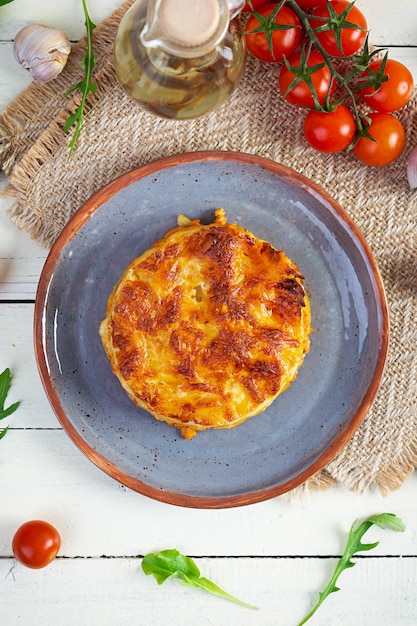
(284,42)
(255,4)
(351,38)
(300,94)
(36,543)
(310,4)
(389,139)
(330,132)
(393,93)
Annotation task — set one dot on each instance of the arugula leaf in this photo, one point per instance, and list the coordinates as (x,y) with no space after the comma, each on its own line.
(85,85)
(3,2)
(354,545)
(172,563)
(5,382)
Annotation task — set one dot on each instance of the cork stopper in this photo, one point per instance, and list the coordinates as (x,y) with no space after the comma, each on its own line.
(189,22)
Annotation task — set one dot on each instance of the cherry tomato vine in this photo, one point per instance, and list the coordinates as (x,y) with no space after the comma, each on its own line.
(327,65)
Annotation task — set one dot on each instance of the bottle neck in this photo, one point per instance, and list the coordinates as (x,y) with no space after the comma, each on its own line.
(185,28)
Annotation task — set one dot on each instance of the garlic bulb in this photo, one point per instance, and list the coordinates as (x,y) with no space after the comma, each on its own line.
(412,169)
(43,51)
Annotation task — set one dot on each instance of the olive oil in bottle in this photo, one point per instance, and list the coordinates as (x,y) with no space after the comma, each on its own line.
(180,58)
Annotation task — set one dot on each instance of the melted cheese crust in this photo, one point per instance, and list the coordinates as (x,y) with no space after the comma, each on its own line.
(208,326)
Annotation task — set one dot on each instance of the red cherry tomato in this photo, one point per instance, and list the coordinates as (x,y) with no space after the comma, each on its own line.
(255,5)
(330,132)
(36,543)
(389,140)
(301,94)
(284,42)
(310,4)
(393,93)
(351,37)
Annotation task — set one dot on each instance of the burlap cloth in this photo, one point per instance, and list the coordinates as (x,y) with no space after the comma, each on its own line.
(118,136)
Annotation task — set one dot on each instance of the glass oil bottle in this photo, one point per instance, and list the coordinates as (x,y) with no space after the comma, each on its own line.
(180,58)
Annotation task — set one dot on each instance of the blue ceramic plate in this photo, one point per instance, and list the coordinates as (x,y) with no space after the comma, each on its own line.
(307,425)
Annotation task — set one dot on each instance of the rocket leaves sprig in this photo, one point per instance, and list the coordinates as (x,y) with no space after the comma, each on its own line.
(353,545)
(86,86)
(5,382)
(172,563)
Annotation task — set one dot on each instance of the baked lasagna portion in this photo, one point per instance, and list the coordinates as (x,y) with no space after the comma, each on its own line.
(208,326)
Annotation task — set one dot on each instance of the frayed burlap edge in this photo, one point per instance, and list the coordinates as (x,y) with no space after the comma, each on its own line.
(24,212)
(26,122)
(22,123)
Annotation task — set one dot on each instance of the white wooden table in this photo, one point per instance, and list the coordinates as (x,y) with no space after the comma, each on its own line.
(276,554)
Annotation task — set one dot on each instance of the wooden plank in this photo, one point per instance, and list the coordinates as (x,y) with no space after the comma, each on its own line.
(115,592)
(17,353)
(21,262)
(67,16)
(390,23)
(13,78)
(43,475)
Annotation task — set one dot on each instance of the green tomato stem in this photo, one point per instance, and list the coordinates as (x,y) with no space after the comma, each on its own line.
(335,75)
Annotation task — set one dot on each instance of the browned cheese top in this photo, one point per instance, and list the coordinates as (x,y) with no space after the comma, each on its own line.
(208,326)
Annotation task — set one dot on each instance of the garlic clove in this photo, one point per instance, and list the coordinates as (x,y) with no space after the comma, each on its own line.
(412,168)
(41,50)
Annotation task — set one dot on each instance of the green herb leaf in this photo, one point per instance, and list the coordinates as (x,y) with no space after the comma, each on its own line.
(5,382)
(3,2)
(354,545)
(85,86)
(11,409)
(172,563)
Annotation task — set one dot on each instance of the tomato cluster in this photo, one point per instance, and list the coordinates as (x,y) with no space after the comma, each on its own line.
(328,68)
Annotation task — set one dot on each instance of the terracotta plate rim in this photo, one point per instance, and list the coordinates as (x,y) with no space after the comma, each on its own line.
(85,213)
